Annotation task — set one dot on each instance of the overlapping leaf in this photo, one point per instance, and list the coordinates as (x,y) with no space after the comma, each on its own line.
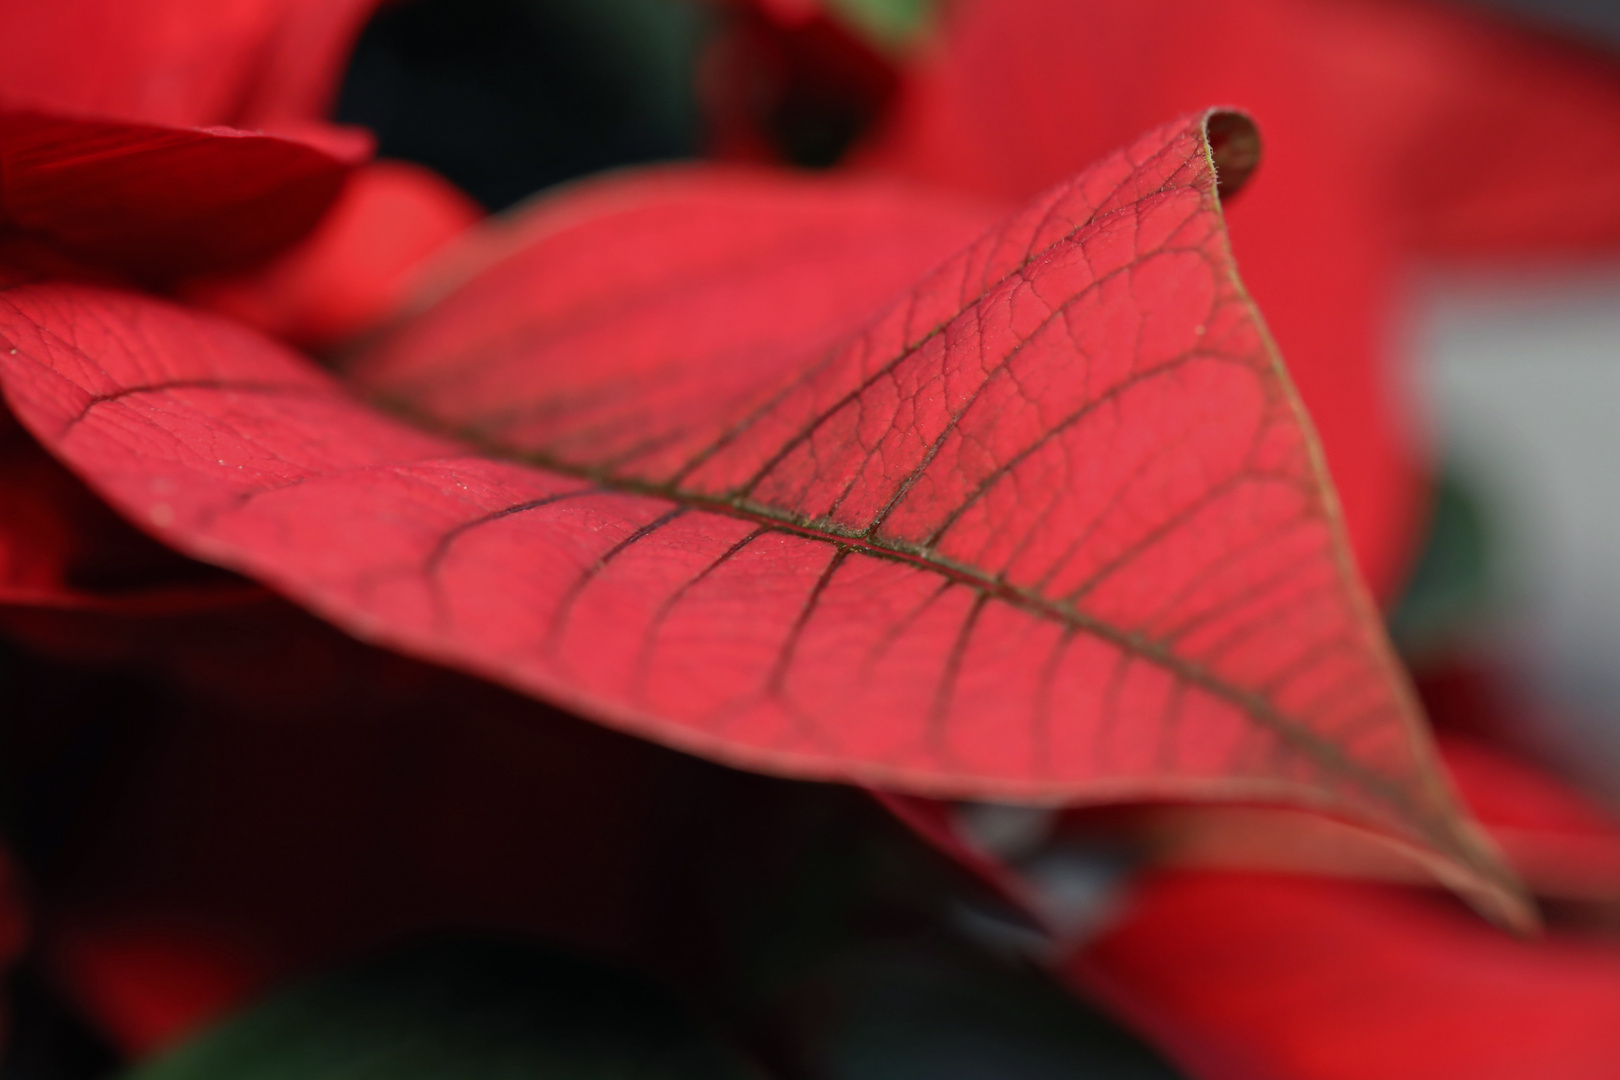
(110,140)
(1051,526)
(161,202)
(180,63)
(356,267)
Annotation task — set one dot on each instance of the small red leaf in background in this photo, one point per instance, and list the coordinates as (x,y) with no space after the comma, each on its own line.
(179,63)
(1564,845)
(111,141)
(788,81)
(357,267)
(1565,842)
(1259,977)
(1051,526)
(1420,87)
(165,202)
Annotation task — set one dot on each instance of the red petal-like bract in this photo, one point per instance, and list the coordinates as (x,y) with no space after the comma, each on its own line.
(109,144)
(1419,87)
(1257,977)
(162,202)
(358,266)
(1051,526)
(183,63)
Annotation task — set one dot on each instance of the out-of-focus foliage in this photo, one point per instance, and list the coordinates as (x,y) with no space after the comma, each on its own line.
(497,1010)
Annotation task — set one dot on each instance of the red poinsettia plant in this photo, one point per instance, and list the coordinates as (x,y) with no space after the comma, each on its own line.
(1033,482)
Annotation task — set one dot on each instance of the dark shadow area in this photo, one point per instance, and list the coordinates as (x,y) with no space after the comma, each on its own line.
(45,1040)
(505,97)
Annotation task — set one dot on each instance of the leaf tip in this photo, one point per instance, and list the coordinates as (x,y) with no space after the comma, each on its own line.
(1481,875)
(1234,149)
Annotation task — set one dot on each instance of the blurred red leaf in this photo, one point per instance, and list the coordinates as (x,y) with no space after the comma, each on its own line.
(1256,977)
(162,202)
(110,138)
(789,84)
(1061,484)
(1420,86)
(179,63)
(357,267)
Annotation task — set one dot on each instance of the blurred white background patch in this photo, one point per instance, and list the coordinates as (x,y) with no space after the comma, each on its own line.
(1518,379)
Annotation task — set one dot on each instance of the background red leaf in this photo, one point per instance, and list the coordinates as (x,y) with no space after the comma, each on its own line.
(111,141)
(1421,86)
(1257,977)
(180,63)
(1051,526)
(357,267)
(1243,973)
(163,202)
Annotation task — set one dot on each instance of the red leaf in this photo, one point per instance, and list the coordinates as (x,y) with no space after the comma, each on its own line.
(181,63)
(1049,527)
(1562,842)
(162,202)
(1250,977)
(1419,87)
(357,267)
(108,143)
